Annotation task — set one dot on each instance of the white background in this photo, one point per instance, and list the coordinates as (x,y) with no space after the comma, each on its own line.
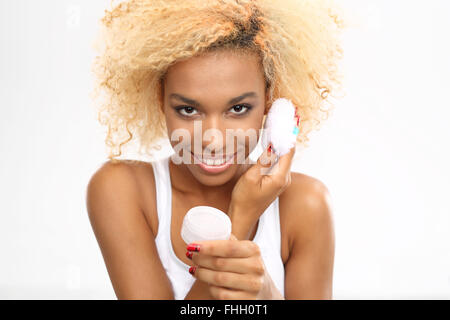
(383,154)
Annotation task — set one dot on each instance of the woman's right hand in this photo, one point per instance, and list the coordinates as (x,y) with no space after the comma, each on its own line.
(256,189)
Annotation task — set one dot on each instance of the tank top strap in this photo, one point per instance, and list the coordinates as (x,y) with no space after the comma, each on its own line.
(176,269)
(268,232)
(268,238)
(163,193)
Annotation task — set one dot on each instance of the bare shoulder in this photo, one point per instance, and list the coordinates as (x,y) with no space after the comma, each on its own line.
(132,179)
(305,206)
(111,177)
(114,177)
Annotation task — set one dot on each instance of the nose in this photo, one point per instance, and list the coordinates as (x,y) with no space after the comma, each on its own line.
(212,121)
(213,133)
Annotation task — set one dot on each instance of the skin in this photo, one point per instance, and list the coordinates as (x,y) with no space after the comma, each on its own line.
(121,200)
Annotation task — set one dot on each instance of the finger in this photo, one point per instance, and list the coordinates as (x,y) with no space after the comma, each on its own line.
(225,248)
(229,280)
(221,293)
(283,166)
(233,237)
(262,166)
(267,158)
(252,265)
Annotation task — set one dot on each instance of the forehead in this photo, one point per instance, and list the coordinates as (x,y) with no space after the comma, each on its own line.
(216,71)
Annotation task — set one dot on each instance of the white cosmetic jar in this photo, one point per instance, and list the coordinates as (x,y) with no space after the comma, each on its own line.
(205,223)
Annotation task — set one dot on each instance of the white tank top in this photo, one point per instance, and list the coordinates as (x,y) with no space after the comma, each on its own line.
(268,237)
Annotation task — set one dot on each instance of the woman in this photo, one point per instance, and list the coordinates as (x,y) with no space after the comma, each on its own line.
(165,68)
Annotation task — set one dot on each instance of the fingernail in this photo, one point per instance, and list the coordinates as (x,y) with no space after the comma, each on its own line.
(269,150)
(297,118)
(193,247)
(189,255)
(192,270)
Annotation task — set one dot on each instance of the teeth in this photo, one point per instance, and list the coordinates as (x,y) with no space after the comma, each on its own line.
(216,162)
(211,162)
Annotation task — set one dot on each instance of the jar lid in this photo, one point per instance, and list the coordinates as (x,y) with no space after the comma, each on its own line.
(205,223)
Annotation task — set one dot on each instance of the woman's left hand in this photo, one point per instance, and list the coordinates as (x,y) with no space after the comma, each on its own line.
(233,268)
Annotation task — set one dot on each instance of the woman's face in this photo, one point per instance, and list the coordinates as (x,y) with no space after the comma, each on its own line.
(214,106)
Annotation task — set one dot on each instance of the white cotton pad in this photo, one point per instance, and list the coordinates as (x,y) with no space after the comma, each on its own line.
(280,127)
(205,223)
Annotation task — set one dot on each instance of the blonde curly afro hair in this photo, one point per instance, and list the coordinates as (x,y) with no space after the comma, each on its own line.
(298,42)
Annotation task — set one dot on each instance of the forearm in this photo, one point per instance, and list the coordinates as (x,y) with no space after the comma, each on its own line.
(241,226)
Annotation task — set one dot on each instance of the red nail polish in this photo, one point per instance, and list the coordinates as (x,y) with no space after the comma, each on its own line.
(192,270)
(189,255)
(269,150)
(193,247)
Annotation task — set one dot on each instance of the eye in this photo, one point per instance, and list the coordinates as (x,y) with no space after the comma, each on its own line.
(189,111)
(241,107)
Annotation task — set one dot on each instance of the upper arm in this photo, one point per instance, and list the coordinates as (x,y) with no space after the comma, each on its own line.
(125,239)
(309,269)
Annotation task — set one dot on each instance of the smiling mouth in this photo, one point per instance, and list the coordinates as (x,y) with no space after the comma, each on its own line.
(214,161)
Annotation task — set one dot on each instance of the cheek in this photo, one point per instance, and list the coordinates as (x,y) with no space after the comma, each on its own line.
(245,138)
(175,127)
(180,136)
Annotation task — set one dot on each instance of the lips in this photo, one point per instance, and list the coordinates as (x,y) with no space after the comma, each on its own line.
(215,169)
(214,161)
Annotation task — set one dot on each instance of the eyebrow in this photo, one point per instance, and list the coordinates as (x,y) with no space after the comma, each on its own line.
(197,104)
